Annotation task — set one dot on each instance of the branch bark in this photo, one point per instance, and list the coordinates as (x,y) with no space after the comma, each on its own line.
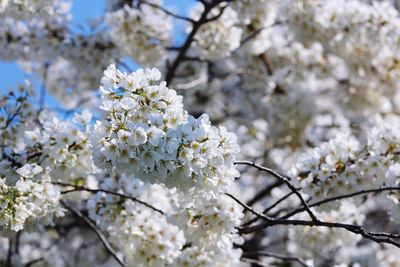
(285,180)
(83,188)
(98,232)
(169,77)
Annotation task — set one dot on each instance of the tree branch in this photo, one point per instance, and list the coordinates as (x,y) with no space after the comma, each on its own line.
(83,188)
(356,229)
(264,192)
(277,256)
(96,230)
(361,192)
(166,11)
(285,180)
(189,40)
(265,211)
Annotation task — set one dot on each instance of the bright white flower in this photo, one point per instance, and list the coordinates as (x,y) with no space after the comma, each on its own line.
(143,235)
(219,38)
(29,170)
(160,143)
(142,34)
(84,118)
(28,200)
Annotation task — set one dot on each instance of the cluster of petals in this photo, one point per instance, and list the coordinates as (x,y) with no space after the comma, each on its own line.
(345,165)
(32,197)
(147,133)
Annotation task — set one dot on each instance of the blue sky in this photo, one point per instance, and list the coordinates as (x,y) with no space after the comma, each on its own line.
(82,10)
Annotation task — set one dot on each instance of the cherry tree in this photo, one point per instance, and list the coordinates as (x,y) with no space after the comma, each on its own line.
(269,135)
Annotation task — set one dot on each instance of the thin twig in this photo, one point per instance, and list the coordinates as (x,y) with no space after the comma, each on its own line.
(33,262)
(356,229)
(267,63)
(268,66)
(250,209)
(250,37)
(278,202)
(98,232)
(277,256)
(331,199)
(220,12)
(83,188)
(255,262)
(266,210)
(17,242)
(166,11)
(264,192)
(11,117)
(189,40)
(285,180)
(9,252)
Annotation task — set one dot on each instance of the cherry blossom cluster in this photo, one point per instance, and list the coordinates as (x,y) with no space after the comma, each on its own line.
(259,18)
(196,218)
(220,254)
(209,226)
(140,174)
(252,12)
(325,242)
(43,248)
(198,232)
(251,136)
(143,235)
(219,38)
(147,133)
(21,9)
(17,116)
(363,35)
(31,30)
(148,138)
(26,191)
(68,69)
(32,197)
(63,148)
(141,32)
(345,165)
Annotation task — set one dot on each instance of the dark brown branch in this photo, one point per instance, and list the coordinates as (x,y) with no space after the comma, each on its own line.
(98,232)
(189,40)
(9,252)
(278,202)
(356,229)
(285,180)
(389,235)
(266,210)
(166,11)
(331,199)
(204,2)
(220,12)
(277,256)
(250,209)
(33,262)
(17,242)
(188,58)
(251,36)
(267,64)
(83,188)
(260,195)
(11,117)
(255,262)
